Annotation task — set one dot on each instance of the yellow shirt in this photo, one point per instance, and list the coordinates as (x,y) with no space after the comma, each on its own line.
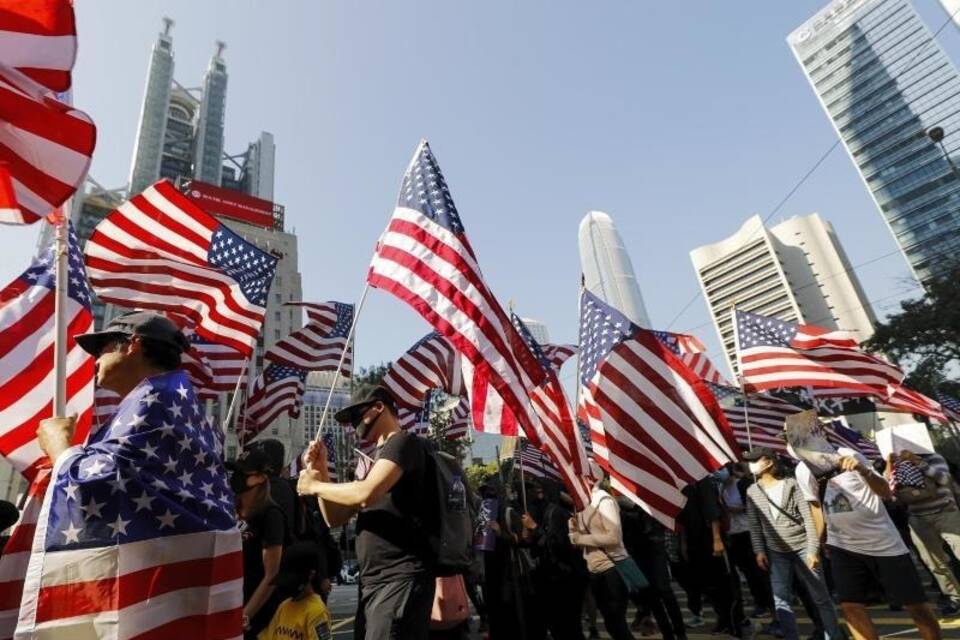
(305,619)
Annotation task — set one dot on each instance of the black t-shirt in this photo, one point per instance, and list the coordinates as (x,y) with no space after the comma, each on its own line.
(391,545)
(702,508)
(266,529)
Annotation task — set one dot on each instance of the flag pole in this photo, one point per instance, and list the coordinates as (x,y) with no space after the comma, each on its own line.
(523,482)
(236,391)
(343,357)
(62,277)
(743,386)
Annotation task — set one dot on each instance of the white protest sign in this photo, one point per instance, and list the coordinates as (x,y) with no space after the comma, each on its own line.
(911,437)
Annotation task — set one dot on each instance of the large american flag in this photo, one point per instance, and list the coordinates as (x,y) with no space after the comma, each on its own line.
(319,345)
(906,400)
(655,425)
(691,352)
(39,39)
(27,332)
(951,406)
(774,353)
(46,147)
(431,363)
(842,436)
(276,391)
(425,259)
(137,536)
(160,251)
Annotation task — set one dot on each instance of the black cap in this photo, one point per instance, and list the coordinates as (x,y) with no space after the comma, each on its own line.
(273,450)
(759,452)
(295,565)
(148,324)
(253,460)
(351,414)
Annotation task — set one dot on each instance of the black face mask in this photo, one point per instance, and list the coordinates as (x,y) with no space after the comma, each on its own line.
(238,483)
(362,428)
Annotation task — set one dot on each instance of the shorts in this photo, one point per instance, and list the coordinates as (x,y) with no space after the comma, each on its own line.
(856,576)
(398,609)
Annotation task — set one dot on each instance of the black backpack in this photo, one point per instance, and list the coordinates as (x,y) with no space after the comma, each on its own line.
(447,522)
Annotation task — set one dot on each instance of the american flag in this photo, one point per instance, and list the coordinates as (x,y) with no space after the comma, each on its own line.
(691,351)
(105,405)
(46,146)
(222,365)
(276,391)
(425,259)
(160,251)
(27,332)
(535,462)
(766,416)
(841,436)
(319,345)
(907,400)
(331,445)
(39,39)
(459,424)
(558,354)
(951,406)
(137,535)
(655,425)
(774,353)
(416,420)
(431,363)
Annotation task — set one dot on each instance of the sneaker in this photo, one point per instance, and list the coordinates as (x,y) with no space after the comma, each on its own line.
(695,621)
(948,609)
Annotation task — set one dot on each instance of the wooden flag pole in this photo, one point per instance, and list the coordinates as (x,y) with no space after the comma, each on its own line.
(343,357)
(62,277)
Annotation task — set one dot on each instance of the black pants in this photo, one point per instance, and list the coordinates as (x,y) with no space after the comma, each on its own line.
(719,585)
(740,552)
(659,595)
(399,609)
(610,593)
(686,577)
(557,606)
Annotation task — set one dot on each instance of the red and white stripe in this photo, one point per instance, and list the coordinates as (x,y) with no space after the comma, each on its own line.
(659,426)
(105,405)
(558,354)
(225,366)
(906,400)
(46,148)
(432,363)
(16,555)
(701,365)
(459,424)
(312,348)
(268,401)
(152,253)
(39,38)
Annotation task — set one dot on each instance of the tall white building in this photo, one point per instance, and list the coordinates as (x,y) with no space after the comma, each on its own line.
(537,329)
(607,270)
(796,270)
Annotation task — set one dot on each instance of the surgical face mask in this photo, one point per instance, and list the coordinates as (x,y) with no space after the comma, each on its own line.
(759,466)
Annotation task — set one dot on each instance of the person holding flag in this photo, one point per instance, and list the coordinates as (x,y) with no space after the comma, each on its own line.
(137,532)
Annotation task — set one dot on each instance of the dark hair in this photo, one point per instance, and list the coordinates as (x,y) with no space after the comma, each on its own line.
(159,354)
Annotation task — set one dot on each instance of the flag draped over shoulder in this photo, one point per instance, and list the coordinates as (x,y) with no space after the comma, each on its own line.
(160,251)
(655,425)
(136,536)
(27,332)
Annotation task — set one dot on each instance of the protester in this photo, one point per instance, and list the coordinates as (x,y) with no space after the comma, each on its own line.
(559,574)
(265,534)
(733,492)
(597,529)
(784,539)
(686,576)
(508,582)
(925,486)
(158,452)
(283,493)
(700,524)
(303,614)
(865,549)
(396,580)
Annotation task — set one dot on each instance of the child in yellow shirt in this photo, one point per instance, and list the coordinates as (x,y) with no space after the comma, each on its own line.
(303,616)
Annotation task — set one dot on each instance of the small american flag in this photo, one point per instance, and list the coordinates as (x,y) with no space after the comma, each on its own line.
(276,391)
(774,353)
(224,366)
(907,400)
(39,39)
(907,474)
(431,363)
(765,413)
(459,424)
(319,345)
(27,328)
(160,251)
(536,463)
(558,354)
(137,535)
(951,406)
(655,425)
(841,436)
(331,445)
(425,259)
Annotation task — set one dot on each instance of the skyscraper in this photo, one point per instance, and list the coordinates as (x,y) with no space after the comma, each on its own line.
(209,137)
(885,82)
(796,270)
(153,113)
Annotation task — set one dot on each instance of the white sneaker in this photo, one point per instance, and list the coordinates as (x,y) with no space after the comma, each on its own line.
(695,621)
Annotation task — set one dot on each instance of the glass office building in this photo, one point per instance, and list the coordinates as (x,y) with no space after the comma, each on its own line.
(885,82)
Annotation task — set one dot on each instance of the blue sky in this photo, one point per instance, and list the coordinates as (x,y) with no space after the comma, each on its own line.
(679,119)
